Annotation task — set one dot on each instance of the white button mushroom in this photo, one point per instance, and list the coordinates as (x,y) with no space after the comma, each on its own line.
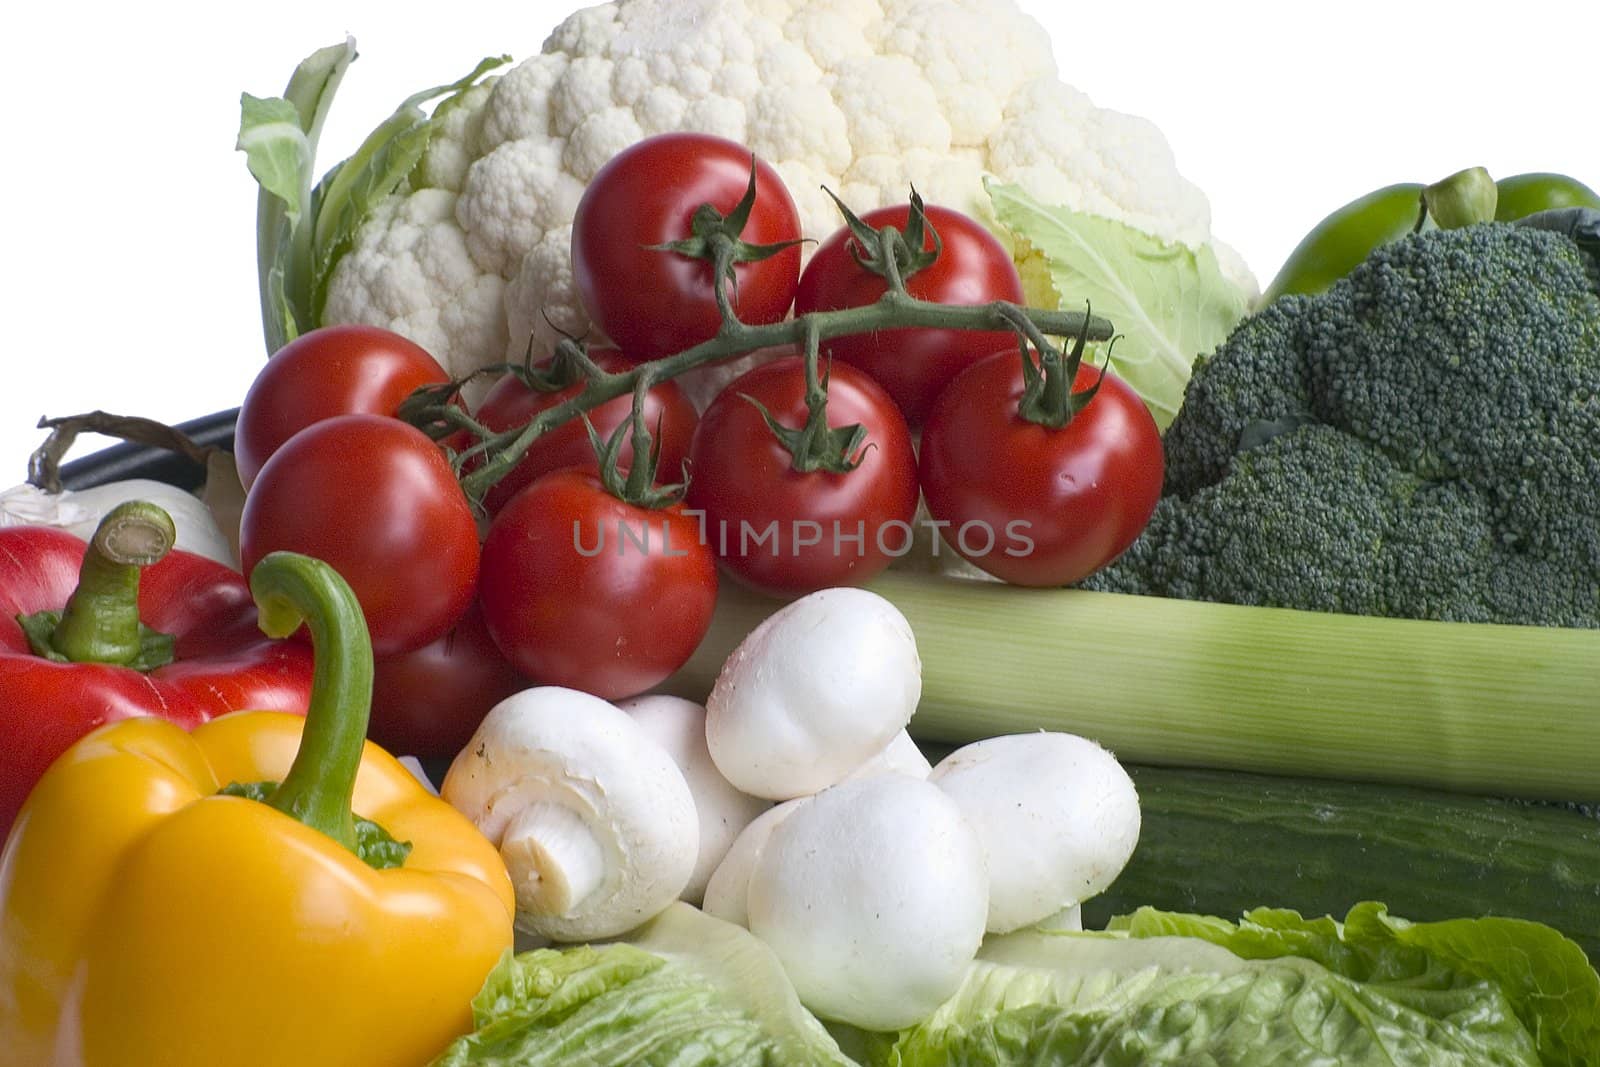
(873,895)
(901,756)
(728,892)
(679,726)
(593,819)
(1057,814)
(813,692)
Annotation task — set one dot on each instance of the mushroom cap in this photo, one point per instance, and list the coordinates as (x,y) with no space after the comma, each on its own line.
(813,692)
(727,894)
(900,756)
(572,789)
(873,894)
(1057,814)
(679,726)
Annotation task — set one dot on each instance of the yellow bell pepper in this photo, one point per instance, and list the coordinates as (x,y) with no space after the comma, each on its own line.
(148,919)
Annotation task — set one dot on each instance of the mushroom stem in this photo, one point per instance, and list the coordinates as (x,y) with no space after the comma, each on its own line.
(553,858)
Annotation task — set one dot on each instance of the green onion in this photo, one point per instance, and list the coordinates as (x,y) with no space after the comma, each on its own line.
(1509,710)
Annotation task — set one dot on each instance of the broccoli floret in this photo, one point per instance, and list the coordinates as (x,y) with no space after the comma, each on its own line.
(1422,440)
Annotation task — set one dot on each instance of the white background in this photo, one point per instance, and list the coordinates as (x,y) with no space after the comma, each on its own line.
(128,270)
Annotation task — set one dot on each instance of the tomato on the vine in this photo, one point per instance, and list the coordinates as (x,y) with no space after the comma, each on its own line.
(654,303)
(585,590)
(913,364)
(333,370)
(787,531)
(376,500)
(668,414)
(1030,504)
(427,702)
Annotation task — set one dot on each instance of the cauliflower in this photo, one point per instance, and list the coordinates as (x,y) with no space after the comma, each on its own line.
(470,256)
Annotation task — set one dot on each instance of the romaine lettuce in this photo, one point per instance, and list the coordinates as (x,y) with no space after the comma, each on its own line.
(687,990)
(1273,989)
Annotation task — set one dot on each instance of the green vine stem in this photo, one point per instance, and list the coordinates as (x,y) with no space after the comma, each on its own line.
(896,309)
(886,251)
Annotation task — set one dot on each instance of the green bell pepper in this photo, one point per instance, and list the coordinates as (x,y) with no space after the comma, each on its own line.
(1342,240)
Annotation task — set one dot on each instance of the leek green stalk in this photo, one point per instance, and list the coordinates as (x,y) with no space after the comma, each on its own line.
(1507,710)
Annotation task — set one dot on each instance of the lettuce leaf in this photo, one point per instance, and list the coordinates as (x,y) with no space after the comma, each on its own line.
(1545,977)
(1273,989)
(687,990)
(1170,303)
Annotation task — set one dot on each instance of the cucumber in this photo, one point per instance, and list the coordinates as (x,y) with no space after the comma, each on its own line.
(1221,843)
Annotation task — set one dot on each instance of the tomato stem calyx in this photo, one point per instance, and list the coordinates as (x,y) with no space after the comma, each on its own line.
(891,254)
(1048,398)
(569,365)
(638,485)
(816,446)
(715,238)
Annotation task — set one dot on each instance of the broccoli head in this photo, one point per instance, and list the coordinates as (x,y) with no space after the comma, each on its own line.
(1422,440)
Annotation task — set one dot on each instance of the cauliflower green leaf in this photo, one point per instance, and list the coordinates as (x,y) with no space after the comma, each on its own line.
(278,136)
(302,230)
(1171,303)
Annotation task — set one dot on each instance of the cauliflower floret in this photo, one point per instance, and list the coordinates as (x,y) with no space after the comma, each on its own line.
(890,107)
(862,96)
(410,271)
(542,300)
(520,106)
(1063,150)
(584,89)
(453,149)
(939,177)
(512,197)
(972,84)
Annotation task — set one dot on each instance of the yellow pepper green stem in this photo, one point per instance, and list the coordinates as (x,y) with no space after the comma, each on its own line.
(291,589)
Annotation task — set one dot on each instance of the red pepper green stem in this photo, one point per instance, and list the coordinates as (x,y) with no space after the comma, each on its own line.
(100,623)
(291,589)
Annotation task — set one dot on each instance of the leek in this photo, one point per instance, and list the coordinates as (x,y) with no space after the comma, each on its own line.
(1507,710)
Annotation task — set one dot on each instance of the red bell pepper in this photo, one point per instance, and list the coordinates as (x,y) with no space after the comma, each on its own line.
(123,627)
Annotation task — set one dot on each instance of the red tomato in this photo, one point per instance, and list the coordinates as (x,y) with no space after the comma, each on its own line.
(913,364)
(790,532)
(668,413)
(335,370)
(377,501)
(653,304)
(1032,505)
(426,703)
(584,590)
